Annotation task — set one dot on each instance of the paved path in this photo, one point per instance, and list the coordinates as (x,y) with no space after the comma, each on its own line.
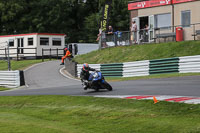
(45,79)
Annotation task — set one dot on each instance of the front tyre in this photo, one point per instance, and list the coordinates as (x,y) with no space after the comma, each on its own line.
(107,86)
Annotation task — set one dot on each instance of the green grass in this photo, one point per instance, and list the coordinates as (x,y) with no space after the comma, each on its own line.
(4,88)
(169,75)
(64,114)
(141,52)
(18,65)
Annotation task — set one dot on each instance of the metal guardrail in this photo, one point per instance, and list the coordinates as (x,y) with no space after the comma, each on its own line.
(138,68)
(112,70)
(187,64)
(168,65)
(10,79)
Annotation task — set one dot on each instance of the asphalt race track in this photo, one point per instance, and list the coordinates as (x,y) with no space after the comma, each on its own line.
(45,79)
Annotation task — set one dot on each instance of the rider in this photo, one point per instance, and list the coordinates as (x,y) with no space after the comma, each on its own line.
(67,55)
(85,74)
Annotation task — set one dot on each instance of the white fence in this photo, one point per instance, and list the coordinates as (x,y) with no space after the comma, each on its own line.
(10,79)
(138,68)
(189,64)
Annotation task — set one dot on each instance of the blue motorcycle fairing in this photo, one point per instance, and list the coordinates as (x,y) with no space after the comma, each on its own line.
(95,76)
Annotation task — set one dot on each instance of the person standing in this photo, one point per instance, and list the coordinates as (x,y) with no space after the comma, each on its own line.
(67,55)
(110,30)
(134,32)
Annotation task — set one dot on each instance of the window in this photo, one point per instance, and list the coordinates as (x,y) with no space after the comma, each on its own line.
(11,42)
(56,41)
(163,20)
(30,41)
(185,18)
(44,41)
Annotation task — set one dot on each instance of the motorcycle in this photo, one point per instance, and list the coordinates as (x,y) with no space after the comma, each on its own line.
(96,81)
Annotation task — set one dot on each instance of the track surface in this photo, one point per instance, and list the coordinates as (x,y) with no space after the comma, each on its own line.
(45,79)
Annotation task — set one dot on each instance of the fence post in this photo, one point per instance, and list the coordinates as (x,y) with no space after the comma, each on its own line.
(35,53)
(42,55)
(57,53)
(9,64)
(50,54)
(5,53)
(17,53)
(194,32)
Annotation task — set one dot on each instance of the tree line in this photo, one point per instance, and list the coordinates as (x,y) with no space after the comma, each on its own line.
(79,20)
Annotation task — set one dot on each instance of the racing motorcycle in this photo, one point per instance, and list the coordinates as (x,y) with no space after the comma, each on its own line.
(96,81)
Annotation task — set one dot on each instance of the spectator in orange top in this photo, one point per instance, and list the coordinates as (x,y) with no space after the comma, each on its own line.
(67,55)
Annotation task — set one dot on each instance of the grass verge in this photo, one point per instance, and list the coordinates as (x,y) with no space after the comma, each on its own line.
(64,114)
(4,88)
(141,52)
(18,65)
(170,75)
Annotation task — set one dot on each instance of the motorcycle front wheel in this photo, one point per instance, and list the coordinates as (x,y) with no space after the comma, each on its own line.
(107,86)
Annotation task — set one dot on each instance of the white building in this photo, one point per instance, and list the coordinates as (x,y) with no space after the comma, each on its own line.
(31,44)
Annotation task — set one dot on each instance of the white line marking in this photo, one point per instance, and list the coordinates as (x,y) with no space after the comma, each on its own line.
(160,98)
(67,75)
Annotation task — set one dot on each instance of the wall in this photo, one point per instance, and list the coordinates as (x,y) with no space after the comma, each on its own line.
(154,10)
(36,44)
(194,7)
(15,37)
(70,66)
(39,47)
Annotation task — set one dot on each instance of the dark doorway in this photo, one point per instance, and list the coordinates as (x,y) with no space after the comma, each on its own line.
(144,22)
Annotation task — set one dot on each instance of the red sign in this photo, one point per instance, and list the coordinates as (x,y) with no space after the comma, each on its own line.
(145,4)
(181,1)
(153,3)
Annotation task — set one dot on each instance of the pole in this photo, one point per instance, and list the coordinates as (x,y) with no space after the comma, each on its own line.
(42,55)
(9,64)
(172,4)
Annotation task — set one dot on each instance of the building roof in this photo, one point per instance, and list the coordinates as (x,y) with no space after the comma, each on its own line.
(28,34)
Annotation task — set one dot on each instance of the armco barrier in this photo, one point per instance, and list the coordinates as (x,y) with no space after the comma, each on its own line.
(112,70)
(138,68)
(189,64)
(185,64)
(168,65)
(11,79)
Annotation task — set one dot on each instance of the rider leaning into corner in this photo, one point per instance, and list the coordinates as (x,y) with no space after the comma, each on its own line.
(85,75)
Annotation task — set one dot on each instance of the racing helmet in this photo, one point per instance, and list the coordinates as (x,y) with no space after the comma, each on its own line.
(85,67)
(66,49)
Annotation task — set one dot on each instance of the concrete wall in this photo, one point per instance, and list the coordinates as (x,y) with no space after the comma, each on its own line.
(70,66)
(154,10)
(194,8)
